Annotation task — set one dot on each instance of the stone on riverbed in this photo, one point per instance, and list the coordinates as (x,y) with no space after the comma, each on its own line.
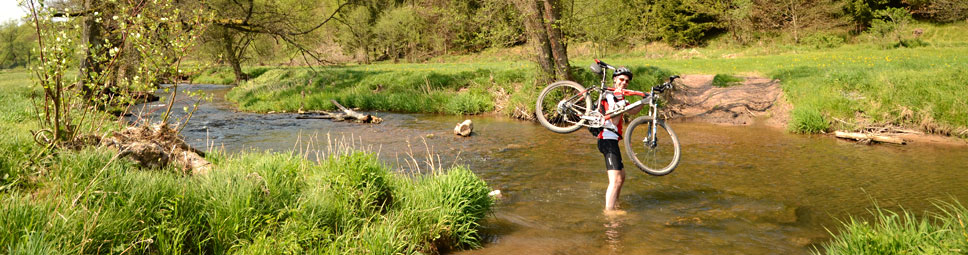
(464,128)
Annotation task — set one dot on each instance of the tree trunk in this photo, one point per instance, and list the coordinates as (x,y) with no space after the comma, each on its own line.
(232,55)
(92,36)
(559,50)
(538,38)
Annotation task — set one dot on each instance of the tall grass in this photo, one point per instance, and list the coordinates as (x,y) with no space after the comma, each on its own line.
(903,232)
(251,203)
(15,143)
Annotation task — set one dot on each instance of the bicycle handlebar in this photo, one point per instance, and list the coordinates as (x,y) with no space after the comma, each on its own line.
(603,64)
(666,85)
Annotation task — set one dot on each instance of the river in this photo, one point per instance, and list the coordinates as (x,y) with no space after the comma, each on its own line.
(738,189)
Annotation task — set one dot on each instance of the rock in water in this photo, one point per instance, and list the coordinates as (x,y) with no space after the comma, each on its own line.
(495,194)
(464,128)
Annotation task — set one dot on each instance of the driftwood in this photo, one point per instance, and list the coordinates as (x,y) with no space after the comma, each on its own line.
(347,114)
(869,137)
(157,146)
(464,128)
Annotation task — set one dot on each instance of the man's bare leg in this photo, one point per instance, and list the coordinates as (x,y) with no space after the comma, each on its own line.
(615,180)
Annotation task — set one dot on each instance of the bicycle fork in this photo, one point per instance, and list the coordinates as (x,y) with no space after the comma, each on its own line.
(651,139)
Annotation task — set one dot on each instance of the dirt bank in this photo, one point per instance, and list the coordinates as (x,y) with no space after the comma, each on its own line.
(696,99)
(753,99)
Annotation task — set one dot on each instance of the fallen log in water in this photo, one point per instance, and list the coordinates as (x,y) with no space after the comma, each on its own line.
(347,114)
(869,137)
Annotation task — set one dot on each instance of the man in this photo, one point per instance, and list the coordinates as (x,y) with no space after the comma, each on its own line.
(611,133)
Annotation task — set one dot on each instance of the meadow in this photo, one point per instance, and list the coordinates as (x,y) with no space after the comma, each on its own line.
(835,87)
(89,201)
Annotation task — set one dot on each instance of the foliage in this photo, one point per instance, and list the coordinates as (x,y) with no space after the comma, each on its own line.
(861,12)
(612,23)
(821,40)
(891,232)
(123,56)
(680,24)
(16,40)
(944,11)
(890,22)
(398,32)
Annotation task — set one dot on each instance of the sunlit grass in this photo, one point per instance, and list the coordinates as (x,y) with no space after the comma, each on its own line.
(253,203)
(250,203)
(903,232)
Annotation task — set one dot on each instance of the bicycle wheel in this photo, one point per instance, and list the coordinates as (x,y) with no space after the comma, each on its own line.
(657,159)
(561,105)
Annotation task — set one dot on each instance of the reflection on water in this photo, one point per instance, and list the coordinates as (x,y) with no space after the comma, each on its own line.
(614,224)
(738,190)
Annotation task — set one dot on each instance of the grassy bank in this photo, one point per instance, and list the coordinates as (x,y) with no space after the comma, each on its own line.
(452,88)
(844,87)
(890,232)
(254,203)
(921,88)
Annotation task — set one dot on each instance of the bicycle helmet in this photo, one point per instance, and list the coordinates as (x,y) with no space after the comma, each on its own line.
(622,71)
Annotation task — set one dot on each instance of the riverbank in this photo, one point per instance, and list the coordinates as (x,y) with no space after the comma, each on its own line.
(850,87)
(88,201)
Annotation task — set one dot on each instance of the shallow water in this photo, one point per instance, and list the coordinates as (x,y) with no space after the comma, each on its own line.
(737,190)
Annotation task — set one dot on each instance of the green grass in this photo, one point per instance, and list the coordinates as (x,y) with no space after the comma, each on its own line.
(16,145)
(726,80)
(890,232)
(252,203)
(865,82)
(921,88)
(453,88)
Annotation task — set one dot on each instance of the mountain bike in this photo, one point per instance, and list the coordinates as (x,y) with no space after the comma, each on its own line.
(565,106)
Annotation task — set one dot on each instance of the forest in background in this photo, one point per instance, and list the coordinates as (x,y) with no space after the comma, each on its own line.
(292,32)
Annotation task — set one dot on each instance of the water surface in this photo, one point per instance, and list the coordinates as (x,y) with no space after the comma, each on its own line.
(738,190)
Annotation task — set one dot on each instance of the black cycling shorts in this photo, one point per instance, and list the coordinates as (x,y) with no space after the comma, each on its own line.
(613,157)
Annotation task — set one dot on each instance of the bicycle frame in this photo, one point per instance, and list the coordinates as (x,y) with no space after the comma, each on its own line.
(595,119)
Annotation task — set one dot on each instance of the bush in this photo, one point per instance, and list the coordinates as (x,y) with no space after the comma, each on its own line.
(822,40)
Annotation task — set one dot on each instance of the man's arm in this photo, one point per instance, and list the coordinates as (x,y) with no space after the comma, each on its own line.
(635,110)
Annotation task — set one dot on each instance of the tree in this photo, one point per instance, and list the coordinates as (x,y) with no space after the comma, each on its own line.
(161,30)
(681,24)
(240,21)
(939,10)
(541,23)
(890,21)
(861,12)
(15,43)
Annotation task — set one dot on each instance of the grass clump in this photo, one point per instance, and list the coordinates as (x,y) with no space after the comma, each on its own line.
(725,80)
(903,232)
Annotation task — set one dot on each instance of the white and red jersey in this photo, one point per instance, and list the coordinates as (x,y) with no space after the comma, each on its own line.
(612,102)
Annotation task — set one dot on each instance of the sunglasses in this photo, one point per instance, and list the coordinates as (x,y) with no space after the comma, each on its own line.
(622,79)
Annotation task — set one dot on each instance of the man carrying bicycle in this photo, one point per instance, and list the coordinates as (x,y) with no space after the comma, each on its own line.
(611,133)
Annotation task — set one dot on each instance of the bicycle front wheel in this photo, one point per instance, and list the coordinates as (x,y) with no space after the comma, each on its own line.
(657,155)
(561,105)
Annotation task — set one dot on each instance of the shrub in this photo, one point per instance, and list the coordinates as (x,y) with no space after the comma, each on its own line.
(822,40)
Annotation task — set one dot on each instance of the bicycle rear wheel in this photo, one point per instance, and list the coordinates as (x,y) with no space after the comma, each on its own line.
(561,105)
(658,158)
